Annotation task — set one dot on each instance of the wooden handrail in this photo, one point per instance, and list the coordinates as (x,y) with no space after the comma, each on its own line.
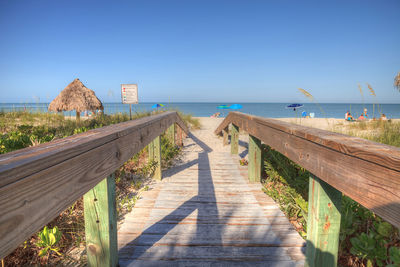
(366,171)
(38,183)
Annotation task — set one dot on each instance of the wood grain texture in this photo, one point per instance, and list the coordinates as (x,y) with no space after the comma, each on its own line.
(225,136)
(255,162)
(171,133)
(38,183)
(179,136)
(206,213)
(323,224)
(234,139)
(21,163)
(366,171)
(155,155)
(101,224)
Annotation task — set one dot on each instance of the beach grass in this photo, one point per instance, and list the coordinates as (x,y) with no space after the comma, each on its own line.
(385,132)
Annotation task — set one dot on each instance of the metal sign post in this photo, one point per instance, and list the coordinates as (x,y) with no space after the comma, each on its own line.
(129,95)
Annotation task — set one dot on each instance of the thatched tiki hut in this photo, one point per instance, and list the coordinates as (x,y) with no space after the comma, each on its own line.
(76,97)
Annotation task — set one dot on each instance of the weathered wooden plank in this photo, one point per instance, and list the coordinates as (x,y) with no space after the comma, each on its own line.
(179,136)
(268,240)
(207,263)
(388,156)
(101,224)
(208,216)
(367,172)
(38,183)
(155,155)
(171,133)
(323,224)
(234,139)
(225,136)
(202,252)
(255,162)
(21,163)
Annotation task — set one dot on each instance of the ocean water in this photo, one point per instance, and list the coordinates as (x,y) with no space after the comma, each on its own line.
(271,110)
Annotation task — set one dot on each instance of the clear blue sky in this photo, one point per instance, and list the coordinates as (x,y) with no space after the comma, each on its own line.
(229,51)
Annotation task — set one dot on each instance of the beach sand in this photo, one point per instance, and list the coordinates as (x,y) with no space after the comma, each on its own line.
(329,124)
(208,126)
(321,123)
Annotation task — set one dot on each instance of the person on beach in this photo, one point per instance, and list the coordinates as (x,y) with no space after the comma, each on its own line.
(346,116)
(383,117)
(361,118)
(365,113)
(349,117)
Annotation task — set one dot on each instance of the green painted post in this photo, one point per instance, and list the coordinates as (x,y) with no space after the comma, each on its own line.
(171,133)
(323,225)
(234,139)
(225,136)
(255,162)
(155,154)
(101,224)
(150,147)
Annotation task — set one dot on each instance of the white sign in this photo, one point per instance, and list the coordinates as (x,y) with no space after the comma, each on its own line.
(129,93)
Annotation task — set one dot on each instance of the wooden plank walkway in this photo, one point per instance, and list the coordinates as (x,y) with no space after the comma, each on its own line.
(205,213)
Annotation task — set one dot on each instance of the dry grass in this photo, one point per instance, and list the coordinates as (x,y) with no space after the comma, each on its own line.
(371,90)
(385,132)
(307,94)
(397,81)
(77,97)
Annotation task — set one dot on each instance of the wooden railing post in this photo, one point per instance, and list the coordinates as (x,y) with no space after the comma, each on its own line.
(155,155)
(234,139)
(323,225)
(101,224)
(171,133)
(225,136)
(179,136)
(255,162)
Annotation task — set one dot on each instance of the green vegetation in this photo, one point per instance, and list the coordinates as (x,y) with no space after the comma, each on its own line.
(188,118)
(66,232)
(48,239)
(385,132)
(287,184)
(365,239)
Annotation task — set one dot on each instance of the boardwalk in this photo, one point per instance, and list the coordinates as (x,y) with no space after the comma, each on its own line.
(205,213)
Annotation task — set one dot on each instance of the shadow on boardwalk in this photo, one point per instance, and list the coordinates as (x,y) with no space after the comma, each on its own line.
(212,243)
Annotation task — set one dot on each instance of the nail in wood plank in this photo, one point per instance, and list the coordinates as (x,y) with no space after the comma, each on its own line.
(101,224)
(323,225)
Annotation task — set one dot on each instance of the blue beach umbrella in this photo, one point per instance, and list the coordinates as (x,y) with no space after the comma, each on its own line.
(157,105)
(223,107)
(294,106)
(235,106)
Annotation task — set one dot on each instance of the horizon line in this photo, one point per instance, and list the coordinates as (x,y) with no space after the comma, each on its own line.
(212,102)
